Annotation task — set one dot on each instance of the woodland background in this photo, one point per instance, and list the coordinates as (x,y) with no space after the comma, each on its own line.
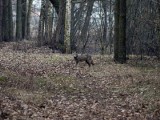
(39,78)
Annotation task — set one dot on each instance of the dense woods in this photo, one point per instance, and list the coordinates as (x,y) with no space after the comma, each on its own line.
(45,46)
(93,27)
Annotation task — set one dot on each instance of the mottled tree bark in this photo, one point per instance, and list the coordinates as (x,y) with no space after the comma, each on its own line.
(105,26)
(41,24)
(28,18)
(68,27)
(48,22)
(110,37)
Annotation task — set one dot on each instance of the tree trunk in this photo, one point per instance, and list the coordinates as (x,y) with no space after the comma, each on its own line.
(86,23)
(7,22)
(105,26)
(75,24)
(50,25)
(120,32)
(158,28)
(24,18)
(1,14)
(73,46)
(58,38)
(10,22)
(110,27)
(41,24)
(116,30)
(48,22)
(68,27)
(28,19)
(45,23)
(19,20)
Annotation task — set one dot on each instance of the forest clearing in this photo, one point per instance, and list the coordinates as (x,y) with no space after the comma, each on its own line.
(38,84)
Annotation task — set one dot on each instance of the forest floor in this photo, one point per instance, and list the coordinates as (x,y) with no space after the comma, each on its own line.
(36,84)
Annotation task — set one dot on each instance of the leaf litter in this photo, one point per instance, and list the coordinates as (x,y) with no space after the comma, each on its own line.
(37,84)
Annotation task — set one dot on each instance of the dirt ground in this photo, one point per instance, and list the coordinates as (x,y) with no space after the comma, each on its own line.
(36,84)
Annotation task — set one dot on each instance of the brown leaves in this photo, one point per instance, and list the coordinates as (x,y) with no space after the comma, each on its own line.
(37,84)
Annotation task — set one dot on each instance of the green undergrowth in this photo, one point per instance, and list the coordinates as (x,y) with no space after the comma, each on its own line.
(3,78)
